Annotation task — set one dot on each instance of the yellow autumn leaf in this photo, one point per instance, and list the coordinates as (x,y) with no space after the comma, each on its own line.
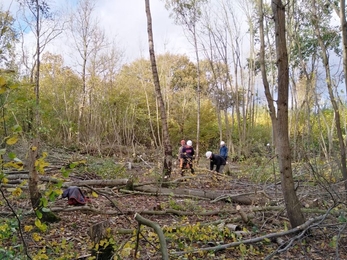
(23,183)
(13,86)
(94,194)
(40,164)
(267,240)
(17,192)
(126,252)
(28,228)
(4,180)
(12,140)
(2,81)
(36,237)
(2,89)
(16,165)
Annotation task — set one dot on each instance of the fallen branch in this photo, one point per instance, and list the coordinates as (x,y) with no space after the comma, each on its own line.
(146,212)
(144,161)
(161,194)
(97,182)
(109,182)
(19,224)
(297,229)
(333,212)
(143,221)
(207,194)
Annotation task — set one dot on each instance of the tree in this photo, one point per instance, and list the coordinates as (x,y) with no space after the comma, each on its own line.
(303,53)
(61,87)
(332,37)
(38,19)
(183,82)
(167,144)
(225,92)
(341,12)
(279,113)
(89,40)
(8,39)
(188,13)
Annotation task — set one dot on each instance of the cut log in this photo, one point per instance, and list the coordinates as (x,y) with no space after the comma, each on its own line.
(116,182)
(239,198)
(243,215)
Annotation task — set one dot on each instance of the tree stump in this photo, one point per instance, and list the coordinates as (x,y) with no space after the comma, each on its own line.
(97,233)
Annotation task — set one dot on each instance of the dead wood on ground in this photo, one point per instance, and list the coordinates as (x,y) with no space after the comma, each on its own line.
(205,193)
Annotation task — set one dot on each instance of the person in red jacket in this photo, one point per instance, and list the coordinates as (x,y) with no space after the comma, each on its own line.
(216,160)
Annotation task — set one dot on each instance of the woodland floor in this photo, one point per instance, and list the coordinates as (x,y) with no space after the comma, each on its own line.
(324,240)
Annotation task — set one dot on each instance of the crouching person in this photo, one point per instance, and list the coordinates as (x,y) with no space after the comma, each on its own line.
(217,162)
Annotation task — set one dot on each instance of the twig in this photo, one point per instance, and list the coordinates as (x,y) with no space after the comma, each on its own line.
(19,223)
(144,161)
(303,228)
(297,229)
(113,204)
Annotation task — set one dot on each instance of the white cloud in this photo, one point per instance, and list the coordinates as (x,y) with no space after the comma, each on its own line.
(126,19)
(126,22)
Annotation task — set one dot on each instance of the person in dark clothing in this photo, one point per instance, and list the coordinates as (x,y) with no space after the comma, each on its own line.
(216,160)
(187,157)
(223,151)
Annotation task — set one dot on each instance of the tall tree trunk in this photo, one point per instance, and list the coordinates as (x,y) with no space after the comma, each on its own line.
(167,167)
(279,117)
(198,97)
(293,205)
(324,53)
(35,194)
(343,24)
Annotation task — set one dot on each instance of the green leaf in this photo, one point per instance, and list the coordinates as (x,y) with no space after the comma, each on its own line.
(46,209)
(12,155)
(17,128)
(44,202)
(64,172)
(72,165)
(342,219)
(38,214)
(52,196)
(59,184)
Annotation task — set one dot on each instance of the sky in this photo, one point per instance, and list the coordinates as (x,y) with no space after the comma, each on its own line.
(126,22)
